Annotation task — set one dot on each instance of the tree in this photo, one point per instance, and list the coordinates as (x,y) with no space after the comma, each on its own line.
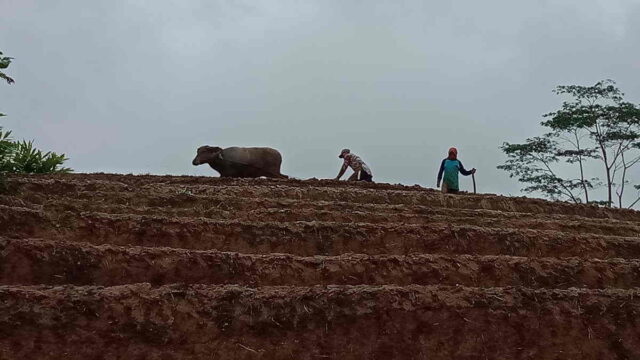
(594,125)
(4,63)
(535,163)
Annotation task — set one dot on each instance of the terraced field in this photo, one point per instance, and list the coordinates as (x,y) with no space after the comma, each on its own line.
(98,266)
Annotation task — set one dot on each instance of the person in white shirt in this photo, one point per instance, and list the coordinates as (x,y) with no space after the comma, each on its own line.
(361,171)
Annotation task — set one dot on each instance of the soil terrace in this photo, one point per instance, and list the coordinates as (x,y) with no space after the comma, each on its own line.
(178,267)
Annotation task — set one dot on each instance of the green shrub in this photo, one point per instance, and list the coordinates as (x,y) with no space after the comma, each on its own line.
(28,159)
(6,149)
(21,157)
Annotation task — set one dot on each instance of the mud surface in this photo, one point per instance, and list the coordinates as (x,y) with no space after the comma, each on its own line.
(342,322)
(36,261)
(105,266)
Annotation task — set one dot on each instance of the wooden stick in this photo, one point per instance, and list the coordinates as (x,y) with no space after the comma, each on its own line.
(473,177)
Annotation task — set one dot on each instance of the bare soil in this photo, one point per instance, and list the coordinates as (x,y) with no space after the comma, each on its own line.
(340,322)
(37,261)
(108,266)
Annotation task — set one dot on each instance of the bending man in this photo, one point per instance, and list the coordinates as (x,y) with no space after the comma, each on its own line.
(450,167)
(361,171)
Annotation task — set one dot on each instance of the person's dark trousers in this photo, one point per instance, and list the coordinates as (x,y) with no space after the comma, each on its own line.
(365,177)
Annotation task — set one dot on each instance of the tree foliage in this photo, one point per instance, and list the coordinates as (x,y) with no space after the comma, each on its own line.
(4,63)
(595,125)
(534,163)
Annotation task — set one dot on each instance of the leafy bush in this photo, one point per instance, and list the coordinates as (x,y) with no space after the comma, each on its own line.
(22,157)
(6,149)
(27,159)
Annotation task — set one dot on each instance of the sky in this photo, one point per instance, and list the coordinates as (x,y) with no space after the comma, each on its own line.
(137,86)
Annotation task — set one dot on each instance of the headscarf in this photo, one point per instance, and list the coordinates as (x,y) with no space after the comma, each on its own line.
(453,153)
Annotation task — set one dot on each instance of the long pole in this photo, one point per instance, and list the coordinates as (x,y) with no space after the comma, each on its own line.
(473,177)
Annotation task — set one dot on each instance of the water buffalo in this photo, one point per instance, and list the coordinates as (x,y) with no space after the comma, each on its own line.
(241,162)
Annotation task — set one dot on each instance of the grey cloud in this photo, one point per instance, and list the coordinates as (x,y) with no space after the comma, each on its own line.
(137,86)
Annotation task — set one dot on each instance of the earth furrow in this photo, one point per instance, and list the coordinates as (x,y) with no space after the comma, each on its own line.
(354,194)
(341,322)
(34,261)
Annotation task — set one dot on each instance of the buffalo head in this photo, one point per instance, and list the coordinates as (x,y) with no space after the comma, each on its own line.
(206,154)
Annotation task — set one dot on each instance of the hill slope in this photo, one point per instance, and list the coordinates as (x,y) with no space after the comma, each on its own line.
(97,266)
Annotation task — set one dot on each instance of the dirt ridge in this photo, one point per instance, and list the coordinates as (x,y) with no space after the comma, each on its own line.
(350,193)
(311,237)
(217,319)
(36,261)
(295,211)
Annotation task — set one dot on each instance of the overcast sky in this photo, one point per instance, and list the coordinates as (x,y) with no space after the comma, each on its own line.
(137,86)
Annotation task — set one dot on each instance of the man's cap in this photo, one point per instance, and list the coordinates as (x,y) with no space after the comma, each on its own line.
(343,153)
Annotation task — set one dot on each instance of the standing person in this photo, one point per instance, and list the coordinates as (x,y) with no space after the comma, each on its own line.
(450,167)
(361,171)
